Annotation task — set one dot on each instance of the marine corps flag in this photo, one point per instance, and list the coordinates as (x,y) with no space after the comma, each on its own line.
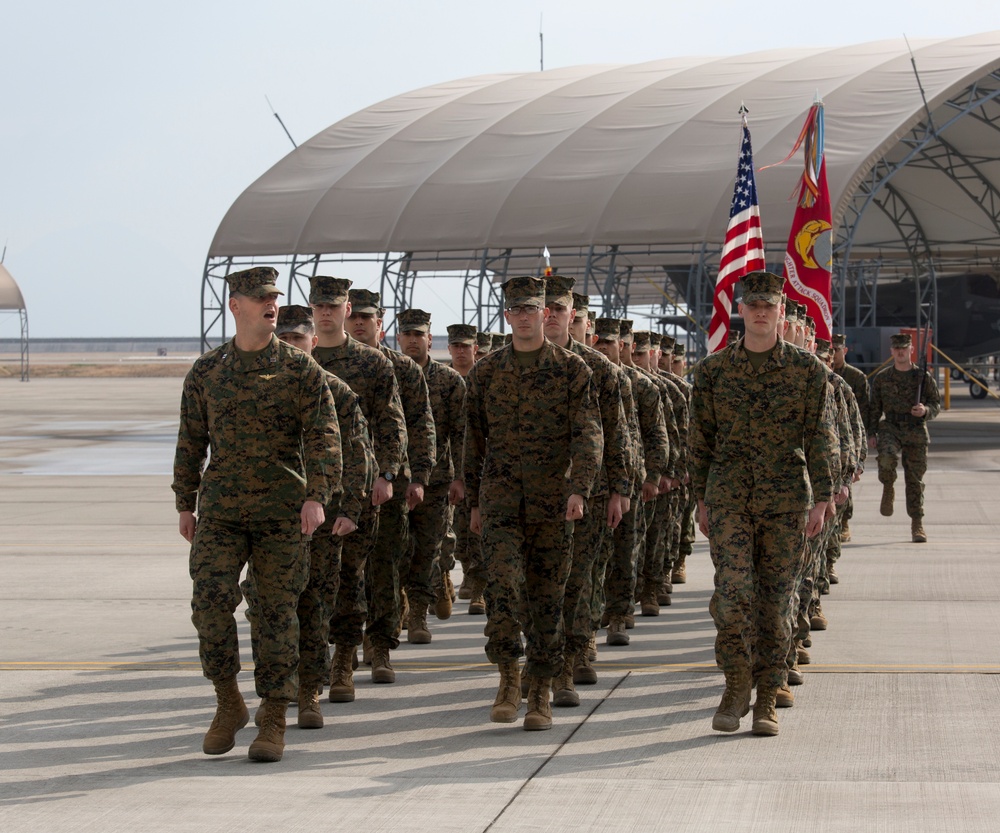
(809,256)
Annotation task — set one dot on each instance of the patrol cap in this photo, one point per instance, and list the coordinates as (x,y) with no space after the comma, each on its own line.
(254,283)
(463,334)
(498,341)
(524,291)
(678,351)
(507,339)
(413,321)
(792,312)
(901,340)
(327,290)
(607,329)
(365,301)
(762,286)
(581,303)
(810,322)
(295,318)
(839,340)
(667,343)
(591,317)
(626,330)
(484,341)
(822,348)
(642,340)
(559,290)
(654,340)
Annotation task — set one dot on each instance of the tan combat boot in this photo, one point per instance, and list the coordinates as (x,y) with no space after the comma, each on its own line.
(663,594)
(802,656)
(679,574)
(382,671)
(539,714)
(845,531)
(765,716)
(465,589)
(443,602)
(310,715)
(342,674)
(917,530)
(563,692)
(784,699)
(649,605)
(795,675)
(417,632)
(231,715)
(508,699)
(404,609)
(818,622)
(831,573)
(888,496)
(477,604)
(630,620)
(592,648)
(735,701)
(583,671)
(269,745)
(617,632)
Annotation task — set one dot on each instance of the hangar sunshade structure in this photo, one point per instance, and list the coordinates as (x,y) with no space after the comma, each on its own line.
(12,302)
(626,174)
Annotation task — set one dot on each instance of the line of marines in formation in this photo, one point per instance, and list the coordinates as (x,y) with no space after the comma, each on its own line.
(348,478)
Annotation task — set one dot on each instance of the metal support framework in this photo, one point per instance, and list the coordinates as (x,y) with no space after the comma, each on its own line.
(25,370)
(303,268)
(213,302)
(396,288)
(482,301)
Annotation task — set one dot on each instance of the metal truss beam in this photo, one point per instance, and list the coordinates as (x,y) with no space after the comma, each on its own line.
(482,298)
(213,302)
(396,288)
(25,370)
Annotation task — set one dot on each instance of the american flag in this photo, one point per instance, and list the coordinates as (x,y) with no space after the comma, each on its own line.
(743,251)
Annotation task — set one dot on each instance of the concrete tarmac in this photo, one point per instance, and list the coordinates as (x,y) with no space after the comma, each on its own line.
(103,706)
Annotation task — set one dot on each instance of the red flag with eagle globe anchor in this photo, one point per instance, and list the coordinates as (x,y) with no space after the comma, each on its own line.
(809,255)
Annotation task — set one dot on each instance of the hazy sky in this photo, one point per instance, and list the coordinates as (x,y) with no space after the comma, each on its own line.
(129,128)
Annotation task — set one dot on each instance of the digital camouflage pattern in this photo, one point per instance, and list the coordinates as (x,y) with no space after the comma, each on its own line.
(901,435)
(257,282)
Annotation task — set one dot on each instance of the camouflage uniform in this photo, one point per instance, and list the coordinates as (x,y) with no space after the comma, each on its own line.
(901,435)
(269,419)
(370,375)
(760,449)
(862,393)
(533,438)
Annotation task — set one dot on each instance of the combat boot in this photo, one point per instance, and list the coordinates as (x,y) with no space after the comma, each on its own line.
(845,531)
(735,701)
(649,605)
(795,675)
(231,715)
(592,648)
(382,671)
(888,496)
(465,589)
(508,699)
(679,574)
(269,745)
(765,717)
(583,671)
(417,632)
(563,692)
(818,622)
(539,714)
(663,595)
(366,650)
(784,699)
(477,604)
(403,603)
(630,620)
(831,573)
(802,656)
(342,674)
(917,530)
(443,602)
(310,715)
(617,632)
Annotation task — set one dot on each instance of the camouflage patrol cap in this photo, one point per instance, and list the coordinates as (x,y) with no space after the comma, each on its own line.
(484,341)
(507,339)
(901,340)
(822,348)
(792,312)
(498,341)
(463,334)
(607,329)
(762,286)
(295,318)
(591,317)
(839,340)
(365,301)
(581,303)
(642,341)
(810,323)
(654,340)
(413,321)
(559,290)
(678,351)
(524,291)
(254,283)
(626,330)
(667,343)
(327,290)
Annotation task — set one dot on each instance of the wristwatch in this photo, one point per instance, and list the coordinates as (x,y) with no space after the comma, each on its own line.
(388,476)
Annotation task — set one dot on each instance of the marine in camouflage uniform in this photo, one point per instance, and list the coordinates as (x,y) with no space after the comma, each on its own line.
(607,502)
(686,545)
(389,561)
(268,416)
(295,327)
(533,451)
(429,521)
(859,386)
(761,440)
(903,399)
(370,375)
(674,560)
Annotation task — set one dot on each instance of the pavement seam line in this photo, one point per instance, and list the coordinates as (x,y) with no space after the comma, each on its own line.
(556,751)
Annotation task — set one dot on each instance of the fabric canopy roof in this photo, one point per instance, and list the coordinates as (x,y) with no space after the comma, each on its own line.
(603,155)
(10,294)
